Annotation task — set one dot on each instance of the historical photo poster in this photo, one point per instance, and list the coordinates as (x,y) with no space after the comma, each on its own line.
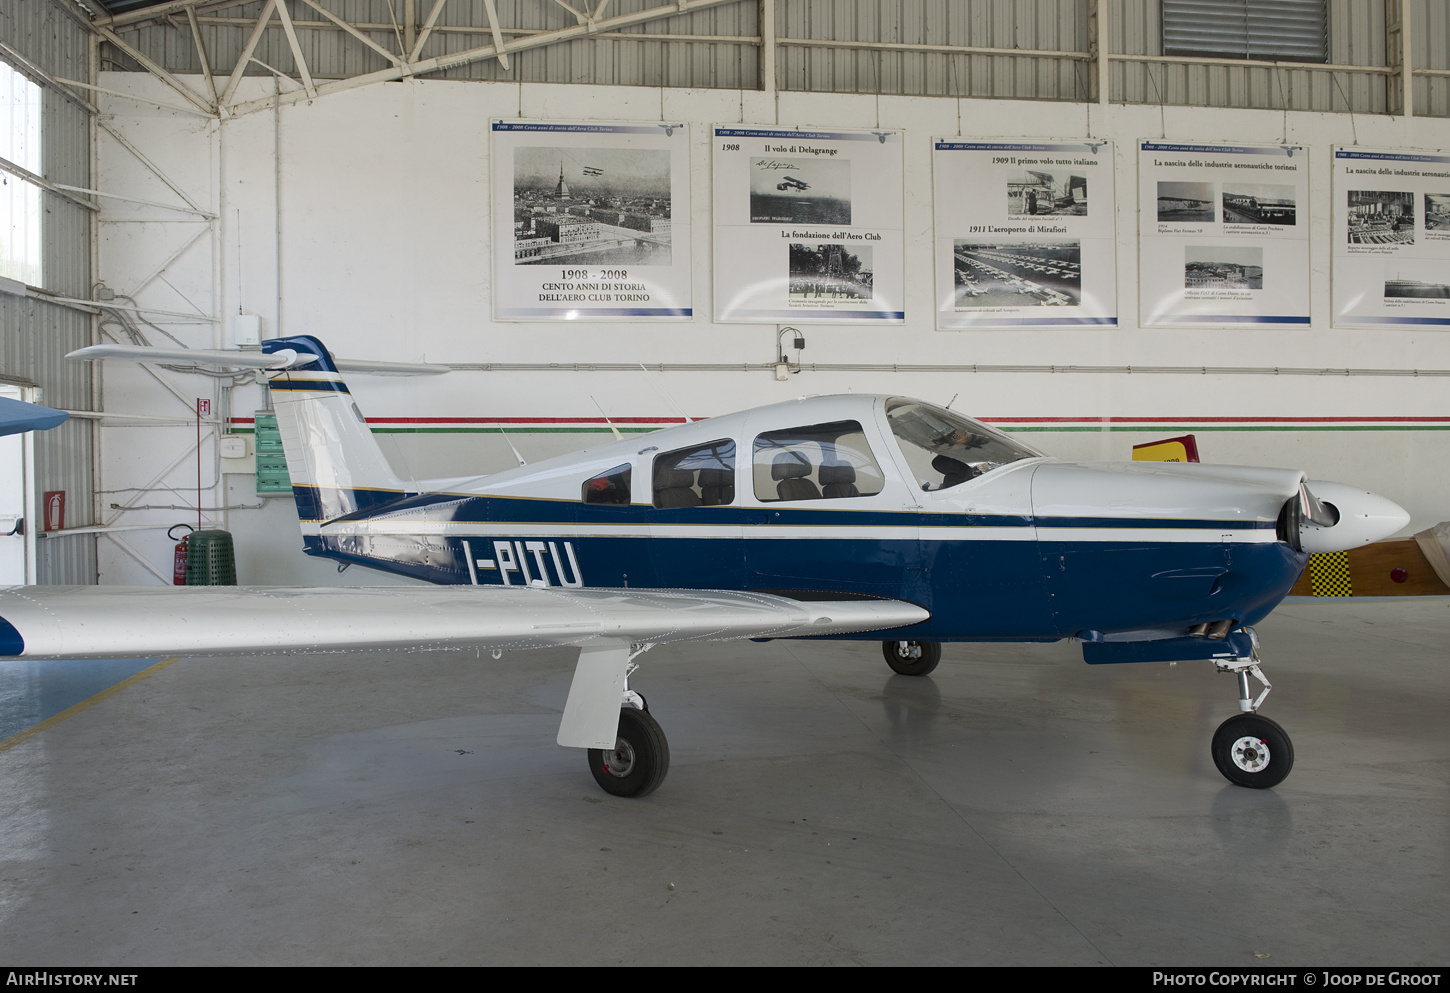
(1024,233)
(808,225)
(1391,237)
(1223,234)
(591,221)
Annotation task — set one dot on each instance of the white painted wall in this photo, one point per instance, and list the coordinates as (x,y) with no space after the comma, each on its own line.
(364,217)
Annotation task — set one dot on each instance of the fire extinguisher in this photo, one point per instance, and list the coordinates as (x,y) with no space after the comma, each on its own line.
(178,560)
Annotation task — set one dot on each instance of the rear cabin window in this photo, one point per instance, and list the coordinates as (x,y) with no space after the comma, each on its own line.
(610,488)
(703,476)
(817,462)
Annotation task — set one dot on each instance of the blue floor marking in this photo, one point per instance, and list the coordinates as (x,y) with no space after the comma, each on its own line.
(33,691)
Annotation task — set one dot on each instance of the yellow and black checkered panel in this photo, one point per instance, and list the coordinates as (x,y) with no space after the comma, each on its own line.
(1329,573)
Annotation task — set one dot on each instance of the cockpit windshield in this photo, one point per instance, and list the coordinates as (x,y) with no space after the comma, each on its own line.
(944,448)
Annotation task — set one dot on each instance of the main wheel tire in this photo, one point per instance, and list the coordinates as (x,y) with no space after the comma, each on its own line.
(639,760)
(911,658)
(1252,751)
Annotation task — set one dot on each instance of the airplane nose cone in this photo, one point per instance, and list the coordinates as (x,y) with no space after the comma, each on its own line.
(1363,517)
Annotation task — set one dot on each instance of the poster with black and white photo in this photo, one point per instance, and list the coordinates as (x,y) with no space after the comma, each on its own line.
(1223,234)
(1025,234)
(1391,237)
(808,226)
(591,221)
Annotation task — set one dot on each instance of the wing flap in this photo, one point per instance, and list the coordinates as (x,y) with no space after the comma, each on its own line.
(114,622)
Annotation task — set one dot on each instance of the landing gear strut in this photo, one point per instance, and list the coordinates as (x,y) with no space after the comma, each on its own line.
(1250,750)
(911,658)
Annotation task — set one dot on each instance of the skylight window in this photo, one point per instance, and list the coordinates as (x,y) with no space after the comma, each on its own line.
(19,199)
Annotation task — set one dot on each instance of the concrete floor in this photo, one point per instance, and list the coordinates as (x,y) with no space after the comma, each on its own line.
(1016,807)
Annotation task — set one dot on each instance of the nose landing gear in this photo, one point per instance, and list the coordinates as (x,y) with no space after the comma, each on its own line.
(1250,750)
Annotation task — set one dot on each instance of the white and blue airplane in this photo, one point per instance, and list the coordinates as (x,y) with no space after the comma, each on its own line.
(859,517)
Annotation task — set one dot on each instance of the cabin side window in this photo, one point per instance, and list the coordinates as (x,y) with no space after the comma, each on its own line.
(818,462)
(610,488)
(703,476)
(944,449)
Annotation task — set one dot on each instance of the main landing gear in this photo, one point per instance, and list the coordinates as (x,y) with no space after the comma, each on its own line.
(911,658)
(1250,750)
(640,758)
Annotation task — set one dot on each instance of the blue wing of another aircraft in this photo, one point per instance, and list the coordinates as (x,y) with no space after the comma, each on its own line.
(16,416)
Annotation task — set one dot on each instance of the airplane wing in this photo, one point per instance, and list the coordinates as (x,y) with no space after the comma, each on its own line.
(17,416)
(606,625)
(58,622)
(239,359)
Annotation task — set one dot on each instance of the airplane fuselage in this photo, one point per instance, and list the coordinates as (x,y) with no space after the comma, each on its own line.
(1035,549)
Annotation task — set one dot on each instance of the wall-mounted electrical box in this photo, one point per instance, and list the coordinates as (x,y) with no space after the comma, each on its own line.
(246,329)
(236,454)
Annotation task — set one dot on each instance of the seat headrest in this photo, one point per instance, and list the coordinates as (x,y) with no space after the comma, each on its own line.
(667,479)
(948,466)
(790,465)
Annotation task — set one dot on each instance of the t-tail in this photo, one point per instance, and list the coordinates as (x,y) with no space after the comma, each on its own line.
(335,463)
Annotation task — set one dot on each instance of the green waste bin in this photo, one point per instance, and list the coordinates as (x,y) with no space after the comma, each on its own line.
(210,560)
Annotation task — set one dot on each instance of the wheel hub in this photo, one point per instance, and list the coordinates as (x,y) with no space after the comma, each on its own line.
(619,762)
(1250,754)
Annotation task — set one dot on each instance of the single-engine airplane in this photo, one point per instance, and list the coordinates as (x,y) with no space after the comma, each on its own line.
(857,516)
(789,182)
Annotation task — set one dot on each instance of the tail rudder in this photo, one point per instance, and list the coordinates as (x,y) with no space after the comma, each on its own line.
(335,463)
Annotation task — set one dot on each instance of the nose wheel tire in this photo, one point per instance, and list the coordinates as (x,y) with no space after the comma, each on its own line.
(1252,751)
(911,658)
(639,760)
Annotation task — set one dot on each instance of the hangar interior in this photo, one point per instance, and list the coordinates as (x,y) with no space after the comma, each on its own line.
(324,167)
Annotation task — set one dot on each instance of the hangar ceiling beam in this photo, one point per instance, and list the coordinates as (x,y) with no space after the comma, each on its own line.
(297,58)
(241,67)
(20,172)
(201,54)
(497,31)
(438,6)
(358,35)
(39,75)
(156,70)
(440,62)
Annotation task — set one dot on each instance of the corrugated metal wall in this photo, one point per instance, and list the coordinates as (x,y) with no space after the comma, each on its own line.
(35,334)
(1431,41)
(1051,25)
(1356,37)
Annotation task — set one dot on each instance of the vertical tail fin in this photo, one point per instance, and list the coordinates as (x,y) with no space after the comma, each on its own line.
(335,463)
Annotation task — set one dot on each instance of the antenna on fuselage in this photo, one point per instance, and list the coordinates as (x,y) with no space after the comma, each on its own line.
(511,446)
(660,390)
(952,400)
(617,435)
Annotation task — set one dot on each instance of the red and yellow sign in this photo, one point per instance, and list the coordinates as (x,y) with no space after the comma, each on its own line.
(1181,449)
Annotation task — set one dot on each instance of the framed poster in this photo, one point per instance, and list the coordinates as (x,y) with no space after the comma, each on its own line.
(1223,234)
(1025,233)
(591,221)
(1391,237)
(808,226)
